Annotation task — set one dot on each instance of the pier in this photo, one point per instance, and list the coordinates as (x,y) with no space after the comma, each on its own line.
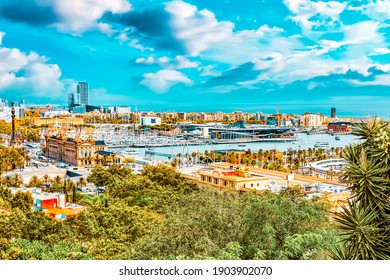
(198,143)
(153,153)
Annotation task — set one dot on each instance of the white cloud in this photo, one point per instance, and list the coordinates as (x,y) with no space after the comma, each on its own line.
(163,80)
(78,16)
(29,73)
(262,31)
(313,85)
(381,80)
(209,71)
(149,61)
(304,10)
(196,29)
(183,63)
(362,32)
(163,60)
(134,43)
(180,62)
(377,10)
(2,34)
(105,29)
(359,36)
(199,31)
(273,60)
(380,51)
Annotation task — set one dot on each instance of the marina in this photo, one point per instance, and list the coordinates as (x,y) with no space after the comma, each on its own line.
(302,141)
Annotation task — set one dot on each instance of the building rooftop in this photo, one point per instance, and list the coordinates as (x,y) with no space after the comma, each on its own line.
(65,211)
(100,143)
(102,153)
(233,175)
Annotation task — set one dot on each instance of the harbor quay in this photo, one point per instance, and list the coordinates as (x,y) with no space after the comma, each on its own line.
(201,143)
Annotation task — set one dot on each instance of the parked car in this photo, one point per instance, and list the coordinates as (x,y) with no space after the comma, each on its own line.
(100,190)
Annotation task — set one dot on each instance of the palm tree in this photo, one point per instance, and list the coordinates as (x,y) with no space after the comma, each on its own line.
(68,186)
(7,181)
(57,179)
(57,184)
(105,159)
(81,182)
(46,180)
(194,157)
(179,155)
(71,186)
(17,180)
(34,182)
(97,158)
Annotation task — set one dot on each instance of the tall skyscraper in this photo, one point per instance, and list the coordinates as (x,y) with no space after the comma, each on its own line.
(71,100)
(82,92)
(333,112)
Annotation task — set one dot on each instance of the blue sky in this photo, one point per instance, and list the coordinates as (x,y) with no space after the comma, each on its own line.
(200,55)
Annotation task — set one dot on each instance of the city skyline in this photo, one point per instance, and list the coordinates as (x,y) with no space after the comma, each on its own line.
(199,55)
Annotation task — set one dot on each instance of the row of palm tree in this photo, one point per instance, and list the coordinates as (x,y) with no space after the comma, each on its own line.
(268,159)
(100,159)
(55,184)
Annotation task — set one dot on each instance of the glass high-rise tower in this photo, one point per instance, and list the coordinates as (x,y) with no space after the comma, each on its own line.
(333,112)
(71,100)
(82,93)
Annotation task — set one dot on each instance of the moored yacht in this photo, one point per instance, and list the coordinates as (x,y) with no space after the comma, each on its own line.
(321,145)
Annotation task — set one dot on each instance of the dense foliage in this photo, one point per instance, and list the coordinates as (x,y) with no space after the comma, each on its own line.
(11,158)
(365,224)
(159,215)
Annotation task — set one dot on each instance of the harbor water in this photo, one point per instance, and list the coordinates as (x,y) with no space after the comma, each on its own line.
(304,142)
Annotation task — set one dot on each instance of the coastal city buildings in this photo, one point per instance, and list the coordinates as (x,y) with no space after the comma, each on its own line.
(61,121)
(311,120)
(53,204)
(340,126)
(110,134)
(6,107)
(236,179)
(150,121)
(77,151)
